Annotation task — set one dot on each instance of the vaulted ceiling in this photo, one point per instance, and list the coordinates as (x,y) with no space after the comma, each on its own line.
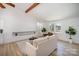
(48,11)
(56,11)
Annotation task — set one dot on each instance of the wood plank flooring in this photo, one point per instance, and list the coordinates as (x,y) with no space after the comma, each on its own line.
(10,50)
(63,49)
(66,49)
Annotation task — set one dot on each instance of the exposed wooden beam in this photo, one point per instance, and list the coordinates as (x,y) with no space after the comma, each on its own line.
(31,7)
(2,6)
(10,4)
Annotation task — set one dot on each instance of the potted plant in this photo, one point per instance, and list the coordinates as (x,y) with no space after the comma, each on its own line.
(44,30)
(71,31)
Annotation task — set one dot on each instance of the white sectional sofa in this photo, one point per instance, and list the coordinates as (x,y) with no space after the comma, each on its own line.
(41,46)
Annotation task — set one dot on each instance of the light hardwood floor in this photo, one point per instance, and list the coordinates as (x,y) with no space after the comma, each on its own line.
(66,49)
(63,49)
(10,50)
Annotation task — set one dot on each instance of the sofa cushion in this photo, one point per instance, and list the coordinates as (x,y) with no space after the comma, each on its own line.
(40,40)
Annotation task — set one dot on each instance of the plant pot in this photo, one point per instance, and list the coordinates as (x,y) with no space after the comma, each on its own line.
(70,40)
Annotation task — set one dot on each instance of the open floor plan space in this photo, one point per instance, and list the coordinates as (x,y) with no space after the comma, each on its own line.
(63,49)
(39,29)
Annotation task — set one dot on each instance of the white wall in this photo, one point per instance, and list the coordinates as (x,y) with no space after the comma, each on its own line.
(65,23)
(14,20)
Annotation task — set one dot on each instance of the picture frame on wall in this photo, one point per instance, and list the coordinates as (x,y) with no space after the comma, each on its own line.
(52,27)
(58,28)
(55,28)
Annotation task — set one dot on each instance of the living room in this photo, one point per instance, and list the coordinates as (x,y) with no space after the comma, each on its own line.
(46,20)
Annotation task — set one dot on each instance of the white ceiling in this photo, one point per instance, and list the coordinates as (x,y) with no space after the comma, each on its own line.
(56,11)
(50,11)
